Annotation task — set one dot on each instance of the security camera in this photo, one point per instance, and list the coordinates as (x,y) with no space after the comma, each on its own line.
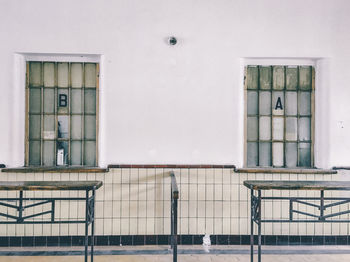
(172,40)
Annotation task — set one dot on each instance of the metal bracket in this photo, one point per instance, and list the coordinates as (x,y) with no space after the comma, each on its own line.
(255,209)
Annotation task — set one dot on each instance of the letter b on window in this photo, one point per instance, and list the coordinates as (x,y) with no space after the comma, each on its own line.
(63,100)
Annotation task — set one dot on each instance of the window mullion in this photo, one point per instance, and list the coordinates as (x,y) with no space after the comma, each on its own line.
(312,127)
(41,111)
(55,96)
(271,116)
(96,112)
(284,117)
(69,113)
(298,116)
(27,117)
(258,124)
(83,115)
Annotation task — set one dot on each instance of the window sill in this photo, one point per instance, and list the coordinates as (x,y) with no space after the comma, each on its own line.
(286,170)
(56,169)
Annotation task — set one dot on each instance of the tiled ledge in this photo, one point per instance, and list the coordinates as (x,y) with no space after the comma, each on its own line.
(341,167)
(71,169)
(286,170)
(169,166)
(82,169)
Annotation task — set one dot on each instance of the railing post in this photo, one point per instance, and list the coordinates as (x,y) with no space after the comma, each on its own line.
(20,208)
(174,198)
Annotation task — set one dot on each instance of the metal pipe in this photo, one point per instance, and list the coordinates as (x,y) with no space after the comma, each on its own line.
(259,225)
(86,224)
(322,206)
(92,210)
(251,226)
(20,207)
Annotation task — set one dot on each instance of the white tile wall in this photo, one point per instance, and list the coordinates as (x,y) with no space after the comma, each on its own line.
(137,201)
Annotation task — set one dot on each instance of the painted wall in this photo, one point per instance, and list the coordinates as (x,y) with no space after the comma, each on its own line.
(183,103)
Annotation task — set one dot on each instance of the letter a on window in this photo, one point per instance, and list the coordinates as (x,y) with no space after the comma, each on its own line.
(279,104)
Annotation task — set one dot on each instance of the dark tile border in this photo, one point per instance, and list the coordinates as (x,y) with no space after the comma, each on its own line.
(40,241)
(12,242)
(114,240)
(140,240)
(27,241)
(52,241)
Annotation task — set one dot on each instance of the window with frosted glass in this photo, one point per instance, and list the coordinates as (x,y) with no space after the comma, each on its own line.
(279,116)
(61,114)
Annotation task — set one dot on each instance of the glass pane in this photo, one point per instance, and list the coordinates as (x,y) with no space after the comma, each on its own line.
(291,128)
(49,100)
(252,103)
(49,123)
(252,154)
(34,153)
(278,77)
(278,103)
(90,153)
(48,153)
(265,77)
(90,127)
(265,128)
(76,106)
(252,128)
(35,74)
(62,101)
(77,74)
(34,100)
(305,77)
(304,103)
(304,129)
(278,128)
(76,153)
(62,75)
(291,154)
(252,77)
(292,78)
(90,75)
(304,154)
(76,127)
(49,127)
(264,154)
(278,154)
(49,74)
(63,123)
(90,101)
(34,127)
(62,153)
(291,103)
(265,103)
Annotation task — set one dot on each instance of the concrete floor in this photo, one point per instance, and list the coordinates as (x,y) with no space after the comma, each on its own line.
(188,254)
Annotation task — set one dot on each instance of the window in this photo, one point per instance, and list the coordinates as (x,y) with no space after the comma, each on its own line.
(279,116)
(62,110)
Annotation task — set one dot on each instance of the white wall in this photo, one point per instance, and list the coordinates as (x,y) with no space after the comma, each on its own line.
(183,103)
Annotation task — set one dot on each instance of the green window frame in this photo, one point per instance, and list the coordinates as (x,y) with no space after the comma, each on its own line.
(61,113)
(279,116)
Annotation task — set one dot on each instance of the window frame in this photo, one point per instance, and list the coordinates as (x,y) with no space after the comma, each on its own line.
(312,109)
(54,59)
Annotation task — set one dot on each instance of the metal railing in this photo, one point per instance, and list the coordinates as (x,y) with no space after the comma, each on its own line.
(173,215)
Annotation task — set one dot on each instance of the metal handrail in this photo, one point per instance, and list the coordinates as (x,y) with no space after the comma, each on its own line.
(173,214)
